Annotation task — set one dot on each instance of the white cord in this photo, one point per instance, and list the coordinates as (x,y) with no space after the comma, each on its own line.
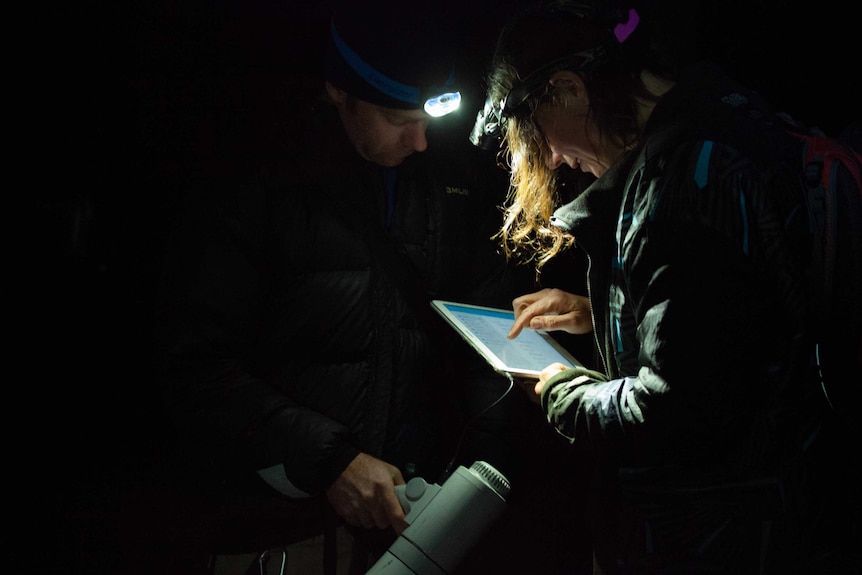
(448,470)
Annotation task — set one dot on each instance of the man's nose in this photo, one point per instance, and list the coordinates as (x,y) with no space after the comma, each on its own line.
(414,136)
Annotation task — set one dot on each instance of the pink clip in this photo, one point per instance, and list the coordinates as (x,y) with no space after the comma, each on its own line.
(623,31)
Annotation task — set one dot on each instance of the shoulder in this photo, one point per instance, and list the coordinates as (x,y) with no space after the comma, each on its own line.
(708,129)
(706,105)
(713,167)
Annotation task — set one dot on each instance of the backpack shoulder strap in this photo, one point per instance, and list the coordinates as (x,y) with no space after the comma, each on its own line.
(832,173)
(826,161)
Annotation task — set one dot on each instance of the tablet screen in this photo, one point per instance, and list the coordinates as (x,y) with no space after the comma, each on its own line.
(485,328)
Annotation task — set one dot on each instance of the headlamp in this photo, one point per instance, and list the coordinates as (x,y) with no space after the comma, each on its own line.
(443,104)
(488,129)
(440,102)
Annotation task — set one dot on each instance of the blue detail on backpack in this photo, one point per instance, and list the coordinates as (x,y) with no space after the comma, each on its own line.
(701,172)
(745,231)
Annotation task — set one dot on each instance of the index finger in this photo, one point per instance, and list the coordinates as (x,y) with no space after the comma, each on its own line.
(521,320)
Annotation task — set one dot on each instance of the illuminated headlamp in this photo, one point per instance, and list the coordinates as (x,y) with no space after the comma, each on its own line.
(441,103)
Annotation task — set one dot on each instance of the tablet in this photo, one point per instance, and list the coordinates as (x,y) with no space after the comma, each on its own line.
(485,328)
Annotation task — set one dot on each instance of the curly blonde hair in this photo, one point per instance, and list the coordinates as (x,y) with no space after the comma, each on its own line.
(526,233)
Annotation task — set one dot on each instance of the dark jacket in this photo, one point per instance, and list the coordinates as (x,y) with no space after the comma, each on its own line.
(295,319)
(706,420)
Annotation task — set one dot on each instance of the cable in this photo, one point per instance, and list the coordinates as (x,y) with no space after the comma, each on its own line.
(259,564)
(451,465)
(283,561)
(821,376)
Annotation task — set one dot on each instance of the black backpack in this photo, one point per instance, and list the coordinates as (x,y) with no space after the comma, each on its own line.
(832,168)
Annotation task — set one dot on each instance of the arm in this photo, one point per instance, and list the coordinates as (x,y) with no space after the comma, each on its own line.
(688,316)
(238,415)
(700,329)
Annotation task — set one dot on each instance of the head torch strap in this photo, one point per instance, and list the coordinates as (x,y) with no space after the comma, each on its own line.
(437,104)
(582,61)
(491,120)
(388,86)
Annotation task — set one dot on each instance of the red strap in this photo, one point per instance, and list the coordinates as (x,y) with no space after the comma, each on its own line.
(830,150)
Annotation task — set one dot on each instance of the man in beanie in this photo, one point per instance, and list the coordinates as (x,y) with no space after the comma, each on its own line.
(389,74)
(300,360)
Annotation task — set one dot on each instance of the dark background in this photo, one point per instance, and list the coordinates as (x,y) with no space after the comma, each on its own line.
(120,105)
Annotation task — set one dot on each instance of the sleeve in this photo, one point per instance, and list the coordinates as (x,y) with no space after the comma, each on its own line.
(210,308)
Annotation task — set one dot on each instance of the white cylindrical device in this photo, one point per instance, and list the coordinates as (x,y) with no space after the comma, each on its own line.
(444,521)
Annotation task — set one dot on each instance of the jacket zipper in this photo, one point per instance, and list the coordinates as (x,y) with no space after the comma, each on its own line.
(599,348)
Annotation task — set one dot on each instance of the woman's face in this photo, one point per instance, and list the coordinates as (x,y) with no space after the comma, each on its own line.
(572,139)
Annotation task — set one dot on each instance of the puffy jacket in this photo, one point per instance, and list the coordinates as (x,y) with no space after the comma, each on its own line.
(704,418)
(295,319)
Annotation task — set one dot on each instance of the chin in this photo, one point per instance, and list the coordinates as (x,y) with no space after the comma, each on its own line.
(391,162)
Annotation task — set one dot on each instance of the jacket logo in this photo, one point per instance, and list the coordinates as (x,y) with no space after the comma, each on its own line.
(457,191)
(735,100)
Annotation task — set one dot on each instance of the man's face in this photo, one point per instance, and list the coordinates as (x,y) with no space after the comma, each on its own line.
(384,136)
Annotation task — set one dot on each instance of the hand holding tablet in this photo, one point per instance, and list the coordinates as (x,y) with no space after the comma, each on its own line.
(486,329)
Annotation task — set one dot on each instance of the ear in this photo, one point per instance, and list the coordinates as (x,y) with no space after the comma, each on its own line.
(337,95)
(569,80)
